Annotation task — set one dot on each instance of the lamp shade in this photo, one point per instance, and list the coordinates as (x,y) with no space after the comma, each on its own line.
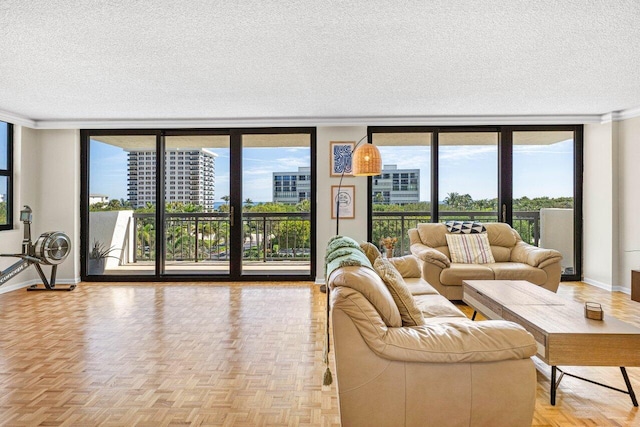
(367,160)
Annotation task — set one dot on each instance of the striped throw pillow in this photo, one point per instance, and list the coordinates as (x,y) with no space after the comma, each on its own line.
(470,248)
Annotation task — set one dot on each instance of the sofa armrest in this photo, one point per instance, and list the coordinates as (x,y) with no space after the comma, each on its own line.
(534,256)
(452,341)
(430,255)
(459,341)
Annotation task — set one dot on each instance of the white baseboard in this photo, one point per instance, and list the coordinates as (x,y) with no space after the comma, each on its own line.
(606,286)
(622,289)
(320,281)
(15,286)
(597,284)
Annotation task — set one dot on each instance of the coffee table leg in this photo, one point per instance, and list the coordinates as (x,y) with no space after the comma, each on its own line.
(629,386)
(553,385)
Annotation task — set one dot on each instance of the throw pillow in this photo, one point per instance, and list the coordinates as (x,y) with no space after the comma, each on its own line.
(371,251)
(470,248)
(465,227)
(409,311)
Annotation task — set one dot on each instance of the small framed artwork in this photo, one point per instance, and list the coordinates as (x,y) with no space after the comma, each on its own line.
(346,198)
(341,157)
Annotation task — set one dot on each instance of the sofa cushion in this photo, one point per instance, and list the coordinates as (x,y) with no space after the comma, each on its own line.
(432,234)
(469,248)
(371,251)
(407,265)
(409,312)
(459,272)
(437,306)
(371,286)
(419,286)
(518,271)
(465,227)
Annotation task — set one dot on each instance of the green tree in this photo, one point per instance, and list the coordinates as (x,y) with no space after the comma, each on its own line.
(3,212)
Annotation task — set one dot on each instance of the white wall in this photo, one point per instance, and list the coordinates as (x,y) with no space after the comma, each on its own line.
(24,190)
(112,229)
(59,201)
(600,218)
(46,177)
(628,136)
(612,203)
(326,227)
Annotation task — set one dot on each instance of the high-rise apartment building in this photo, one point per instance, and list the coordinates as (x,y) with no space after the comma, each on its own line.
(189,177)
(396,186)
(292,187)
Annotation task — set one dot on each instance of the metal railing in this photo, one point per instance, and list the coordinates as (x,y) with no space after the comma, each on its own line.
(204,236)
(397,224)
(285,236)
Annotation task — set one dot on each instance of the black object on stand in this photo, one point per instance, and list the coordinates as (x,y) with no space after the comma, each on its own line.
(51,248)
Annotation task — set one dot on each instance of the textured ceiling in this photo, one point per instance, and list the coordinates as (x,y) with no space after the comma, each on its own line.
(170,60)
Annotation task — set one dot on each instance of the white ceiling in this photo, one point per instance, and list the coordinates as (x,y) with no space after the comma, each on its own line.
(128,62)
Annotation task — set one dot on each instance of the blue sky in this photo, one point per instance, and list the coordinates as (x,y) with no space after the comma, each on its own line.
(3,145)
(538,170)
(108,170)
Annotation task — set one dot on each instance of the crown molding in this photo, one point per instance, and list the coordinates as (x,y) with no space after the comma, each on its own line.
(617,116)
(16,119)
(547,119)
(321,121)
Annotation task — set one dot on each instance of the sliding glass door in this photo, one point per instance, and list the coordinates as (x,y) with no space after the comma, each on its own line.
(543,191)
(198,204)
(401,193)
(467,178)
(197,232)
(527,176)
(120,220)
(276,204)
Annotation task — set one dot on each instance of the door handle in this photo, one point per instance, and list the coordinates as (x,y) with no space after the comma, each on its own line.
(231,212)
(504,212)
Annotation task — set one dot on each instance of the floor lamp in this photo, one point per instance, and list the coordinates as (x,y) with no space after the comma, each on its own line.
(365,161)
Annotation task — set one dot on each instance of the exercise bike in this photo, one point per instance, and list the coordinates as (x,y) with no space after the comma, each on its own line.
(51,248)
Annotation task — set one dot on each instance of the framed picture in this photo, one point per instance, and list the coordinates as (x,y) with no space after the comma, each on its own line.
(340,161)
(346,196)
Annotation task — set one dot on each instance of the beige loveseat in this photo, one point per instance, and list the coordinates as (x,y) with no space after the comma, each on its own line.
(449,371)
(514,259)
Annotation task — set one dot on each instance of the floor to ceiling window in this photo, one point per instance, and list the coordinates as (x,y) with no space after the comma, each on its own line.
(527,176)
(6,175)
(400,194)
(543,191)
(198,204)
(467,178)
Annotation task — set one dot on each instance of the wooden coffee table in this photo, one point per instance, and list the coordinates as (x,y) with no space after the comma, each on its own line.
(563,335)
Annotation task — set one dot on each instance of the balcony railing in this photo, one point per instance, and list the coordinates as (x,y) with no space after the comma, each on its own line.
(396,224)
(279,236)
(285,236)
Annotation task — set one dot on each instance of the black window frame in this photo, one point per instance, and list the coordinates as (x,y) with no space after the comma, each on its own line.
(236,135)
(505,172)
(8,173)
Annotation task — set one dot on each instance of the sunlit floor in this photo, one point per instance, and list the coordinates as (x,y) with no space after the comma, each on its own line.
(217,354)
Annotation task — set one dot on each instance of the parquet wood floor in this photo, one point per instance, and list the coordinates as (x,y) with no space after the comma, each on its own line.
(165,355)
(233,354)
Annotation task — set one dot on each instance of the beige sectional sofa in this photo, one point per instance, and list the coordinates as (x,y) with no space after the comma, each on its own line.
(514,259)
(447,371)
